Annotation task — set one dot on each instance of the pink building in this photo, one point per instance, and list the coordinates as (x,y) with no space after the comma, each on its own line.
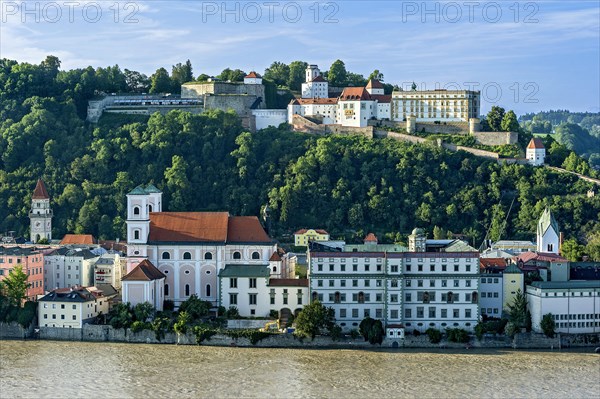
(32,262)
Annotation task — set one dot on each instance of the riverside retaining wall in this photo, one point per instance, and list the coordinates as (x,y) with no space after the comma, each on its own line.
(14,331)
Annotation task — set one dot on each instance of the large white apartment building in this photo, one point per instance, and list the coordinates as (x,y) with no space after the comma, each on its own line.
(418,288)
(68,267)
(574,305)
(436,105)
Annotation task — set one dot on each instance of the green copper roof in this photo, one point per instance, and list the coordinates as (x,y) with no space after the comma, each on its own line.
(245,271)
(139,190)
(547,220)
(512,268)
(459,246)
(150,188)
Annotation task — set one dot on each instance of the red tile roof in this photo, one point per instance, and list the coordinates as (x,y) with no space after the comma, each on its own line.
(540,256)
(252,75)
(144,271)
(40,191)
(355,94)
(275,257)
(246,229)
(188,226)
(382,98)
(302,101)
(288,282)
(536,143)
(374,84)
(370,238)
(319,79)
(78,239)
(497,262)
(319,231)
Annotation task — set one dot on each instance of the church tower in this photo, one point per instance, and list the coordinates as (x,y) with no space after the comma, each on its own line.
(40,215)
(141,201)
(548,235)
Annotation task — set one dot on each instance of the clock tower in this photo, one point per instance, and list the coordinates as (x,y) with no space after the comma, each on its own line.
(40,215)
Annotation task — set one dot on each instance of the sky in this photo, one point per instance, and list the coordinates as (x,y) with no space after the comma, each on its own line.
(523,55)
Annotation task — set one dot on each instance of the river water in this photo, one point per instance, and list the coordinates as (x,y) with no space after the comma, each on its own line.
(46,369)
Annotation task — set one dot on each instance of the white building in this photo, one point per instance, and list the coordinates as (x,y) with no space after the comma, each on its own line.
(269,117)
(67,267)
(574,305)
(418,289)
(536,152)
(253,78)
(191,248)
(548,234)
(71,308)
(107,270)
(436,105)
(40,215)
(315,86)
(145,283)
(491,286)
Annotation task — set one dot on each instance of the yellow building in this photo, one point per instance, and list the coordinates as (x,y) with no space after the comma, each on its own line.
(513,280)
(303,236)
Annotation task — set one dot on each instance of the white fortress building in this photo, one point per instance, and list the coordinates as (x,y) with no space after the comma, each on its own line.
(357,105)
(536,152)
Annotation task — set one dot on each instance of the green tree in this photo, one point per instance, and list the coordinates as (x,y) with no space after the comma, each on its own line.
(313,319)
(182,323)
(182,73)
(143,311)
(571,250)
(495,117)
(15,286)
(160,81)
(337,75)
(509,122)
(592,247)
(195,307)
(296,75)
(136,82)
(518,310)
(548,325)
(278,73)
(376,75)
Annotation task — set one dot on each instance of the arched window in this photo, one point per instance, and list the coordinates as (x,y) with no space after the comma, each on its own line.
(166,255)
(237,255)
(208,256)
(187,290)
(208,290)
(315,296)
(274,269)
(166,289)
(255,255)
(136,234)
(187,255)
(149,208)
(136,210)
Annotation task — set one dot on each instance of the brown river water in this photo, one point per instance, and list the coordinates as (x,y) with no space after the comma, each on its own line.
(47,369)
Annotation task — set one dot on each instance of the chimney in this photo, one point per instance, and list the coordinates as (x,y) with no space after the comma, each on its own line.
(561,237)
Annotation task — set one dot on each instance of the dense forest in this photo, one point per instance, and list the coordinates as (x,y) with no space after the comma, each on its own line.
(577,131)
(348,185)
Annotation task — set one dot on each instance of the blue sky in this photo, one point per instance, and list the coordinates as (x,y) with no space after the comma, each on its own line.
(545,56)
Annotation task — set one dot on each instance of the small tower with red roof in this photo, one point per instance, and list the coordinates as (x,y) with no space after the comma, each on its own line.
(40,215)
(536,152)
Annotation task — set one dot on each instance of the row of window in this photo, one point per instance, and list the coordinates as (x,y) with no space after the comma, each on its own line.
(208,255)
(18,260)
(490,280)
(580,316)
(581,324)
(233,282)
(187,290)
(394,283)
(489,295)
(433,268)
(62,316)
(432,313)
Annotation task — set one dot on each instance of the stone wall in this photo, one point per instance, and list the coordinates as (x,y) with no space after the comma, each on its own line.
(14,331)
(535,341)
(302,124)
(474,151)
(192,90)
(443,128)
(496,138)
(400,137)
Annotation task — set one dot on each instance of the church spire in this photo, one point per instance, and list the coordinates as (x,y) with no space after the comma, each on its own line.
(40,191)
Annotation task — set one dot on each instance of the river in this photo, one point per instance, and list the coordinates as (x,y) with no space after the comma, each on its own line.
(47,369)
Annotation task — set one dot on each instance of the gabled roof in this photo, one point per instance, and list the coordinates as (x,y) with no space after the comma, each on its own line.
(493,262)
(78,239)
(370,238)
(252,75)
(547,220)
(541,257)
(512,269)
(69,295)
(306,101)
(319,79)
(188,226)
(355,94)
(144,271)
(382,98)
(40,191)
(374,84)
(275,257)
(318,231)
(246,229)
(535,143)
